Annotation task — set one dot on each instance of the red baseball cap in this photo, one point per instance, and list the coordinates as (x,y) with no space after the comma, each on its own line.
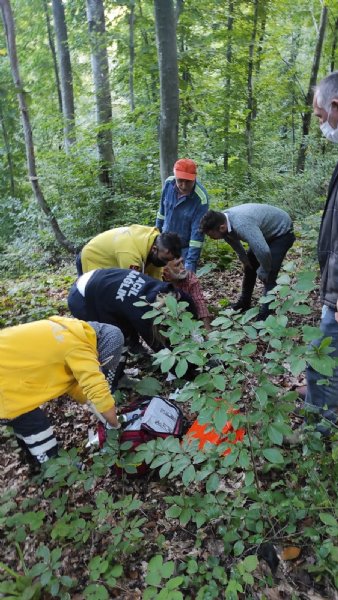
(185,168)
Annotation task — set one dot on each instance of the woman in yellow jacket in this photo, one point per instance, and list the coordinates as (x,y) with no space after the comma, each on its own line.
(42,360)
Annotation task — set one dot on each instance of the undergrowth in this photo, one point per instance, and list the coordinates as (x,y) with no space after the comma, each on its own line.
(230,500)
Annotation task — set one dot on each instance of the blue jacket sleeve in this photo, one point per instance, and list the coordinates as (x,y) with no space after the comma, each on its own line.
(196,239)
(161,211)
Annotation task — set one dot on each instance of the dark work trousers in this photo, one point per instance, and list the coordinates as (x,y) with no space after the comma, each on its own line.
(35,436)
(278,248)
(77,306)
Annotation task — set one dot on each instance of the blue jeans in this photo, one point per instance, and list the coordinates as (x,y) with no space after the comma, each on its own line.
(320,396)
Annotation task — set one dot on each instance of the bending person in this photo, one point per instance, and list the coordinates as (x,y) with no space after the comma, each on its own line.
(46,359)
(269,233)
(109,295)
(135,247)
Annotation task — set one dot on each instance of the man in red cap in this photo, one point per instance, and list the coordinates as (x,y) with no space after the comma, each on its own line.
(184,202)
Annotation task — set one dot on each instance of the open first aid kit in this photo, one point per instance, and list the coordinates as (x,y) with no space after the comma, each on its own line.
(146,420)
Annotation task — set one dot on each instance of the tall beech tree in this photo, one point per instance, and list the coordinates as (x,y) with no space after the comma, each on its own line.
(131,53)
(53,52)
(8,21)
(66,77)
(165,20)
(227,88)
(306,116)
(250,94)
(100,67)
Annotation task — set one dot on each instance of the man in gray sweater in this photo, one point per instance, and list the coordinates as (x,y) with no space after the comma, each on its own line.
(269,233)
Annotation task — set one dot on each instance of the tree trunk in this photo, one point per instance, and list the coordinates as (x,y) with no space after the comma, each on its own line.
(8,152)
(53,52)
(147,48)
(66,77)
(165,20)
(250,101)
(178,9)
(334,46)
(100,67)
(306,117)
(8,21)
(131,54)
(227,100)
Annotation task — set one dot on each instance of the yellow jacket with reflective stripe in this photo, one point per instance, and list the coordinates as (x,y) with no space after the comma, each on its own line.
(42,360)
(123,248)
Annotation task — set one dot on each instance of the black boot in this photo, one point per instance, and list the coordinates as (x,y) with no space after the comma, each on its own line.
(242,304)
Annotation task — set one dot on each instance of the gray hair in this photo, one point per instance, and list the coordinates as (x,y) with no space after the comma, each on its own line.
(326,90)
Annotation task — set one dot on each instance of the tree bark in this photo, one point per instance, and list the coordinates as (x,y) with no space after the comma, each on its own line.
(178,9)
(147,47)
(250,100)
(66,77)
(7,17)
(53,52)
(334,46)
(306,117)
(8,152)
(165,20)
(100,68)
(131,54)
(227,100)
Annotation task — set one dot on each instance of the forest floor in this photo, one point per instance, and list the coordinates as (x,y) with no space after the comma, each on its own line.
(72,423)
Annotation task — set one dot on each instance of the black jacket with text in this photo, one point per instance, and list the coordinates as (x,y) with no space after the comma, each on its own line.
(110,297)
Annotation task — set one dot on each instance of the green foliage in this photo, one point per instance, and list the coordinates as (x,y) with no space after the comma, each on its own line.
(160,577)
(234,496)
(213,119)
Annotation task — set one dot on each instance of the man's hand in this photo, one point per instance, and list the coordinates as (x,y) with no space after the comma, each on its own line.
(111,418)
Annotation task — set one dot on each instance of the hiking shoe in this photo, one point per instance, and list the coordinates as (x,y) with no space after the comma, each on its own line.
(241,305)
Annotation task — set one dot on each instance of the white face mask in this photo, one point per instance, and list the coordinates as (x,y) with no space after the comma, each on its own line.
(330,133)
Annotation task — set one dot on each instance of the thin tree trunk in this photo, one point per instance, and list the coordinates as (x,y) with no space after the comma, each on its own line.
(227,100)
(131,54)
(66,77)
(153,82)
(8,152)
(53,52)
(100,68)
(306,117)
(169,94)
(178,9)
(250,101)
(334,46)
(8,21)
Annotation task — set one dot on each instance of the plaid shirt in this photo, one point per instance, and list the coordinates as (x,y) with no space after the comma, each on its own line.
(191,285)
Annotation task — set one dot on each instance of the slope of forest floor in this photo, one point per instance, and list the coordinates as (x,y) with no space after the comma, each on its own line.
(155,533)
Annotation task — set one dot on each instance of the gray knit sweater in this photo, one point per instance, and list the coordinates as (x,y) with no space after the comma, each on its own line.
(256,224)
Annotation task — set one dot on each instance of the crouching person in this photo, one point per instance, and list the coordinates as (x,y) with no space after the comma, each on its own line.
(45,359)
(110,295)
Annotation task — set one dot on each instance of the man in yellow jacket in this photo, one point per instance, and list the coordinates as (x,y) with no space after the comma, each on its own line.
(42,360)
(135,247)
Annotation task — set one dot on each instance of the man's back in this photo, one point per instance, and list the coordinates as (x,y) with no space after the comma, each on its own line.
(121,247)
(271,221)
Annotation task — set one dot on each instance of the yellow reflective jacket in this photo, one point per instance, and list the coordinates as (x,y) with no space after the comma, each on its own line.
(123,248)
(42,360)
